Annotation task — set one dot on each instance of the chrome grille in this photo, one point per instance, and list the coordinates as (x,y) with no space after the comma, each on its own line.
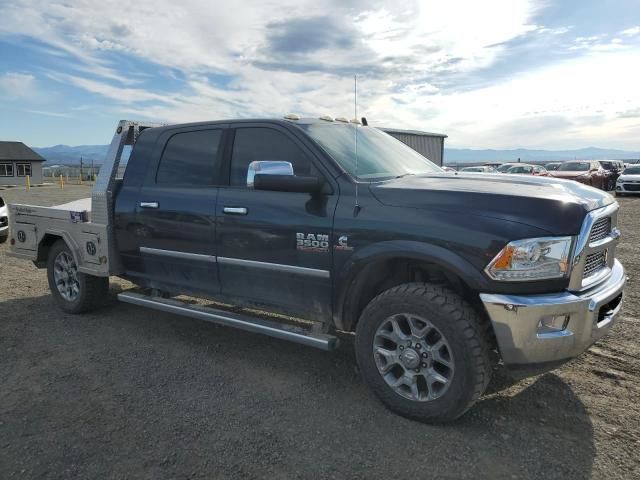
(594,262)
(595,250)
(600,229)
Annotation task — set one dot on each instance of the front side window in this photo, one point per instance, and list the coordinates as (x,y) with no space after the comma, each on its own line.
(6,169)
(23,169)
(379,155)
(520,170)
(258,143)
(190,158)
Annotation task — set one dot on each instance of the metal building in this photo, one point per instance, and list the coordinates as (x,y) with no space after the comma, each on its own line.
(430,145)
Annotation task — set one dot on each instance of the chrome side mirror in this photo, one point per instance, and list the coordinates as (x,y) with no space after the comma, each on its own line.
(268,167)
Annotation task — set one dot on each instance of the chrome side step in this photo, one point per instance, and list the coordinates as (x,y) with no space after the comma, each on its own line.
(231,319)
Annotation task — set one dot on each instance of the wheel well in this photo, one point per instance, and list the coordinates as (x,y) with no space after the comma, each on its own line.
(385,274)
(43,249)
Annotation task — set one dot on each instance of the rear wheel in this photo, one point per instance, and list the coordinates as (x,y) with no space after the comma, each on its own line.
(74,292)
(423,350)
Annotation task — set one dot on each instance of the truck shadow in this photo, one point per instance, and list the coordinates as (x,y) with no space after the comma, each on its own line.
(216,398)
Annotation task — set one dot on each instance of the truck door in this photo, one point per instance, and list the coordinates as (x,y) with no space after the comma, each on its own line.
(274,247)
(174,223)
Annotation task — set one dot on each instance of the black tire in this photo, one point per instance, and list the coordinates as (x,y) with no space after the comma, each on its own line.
(466,332)
(3,238)
(92,290)
(618,194)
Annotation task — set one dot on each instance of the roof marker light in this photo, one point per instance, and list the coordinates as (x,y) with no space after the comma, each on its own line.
(356,121)
(327,118)
(342,119)
(291,116)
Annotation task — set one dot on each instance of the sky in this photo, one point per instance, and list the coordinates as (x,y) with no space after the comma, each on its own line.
(552,74)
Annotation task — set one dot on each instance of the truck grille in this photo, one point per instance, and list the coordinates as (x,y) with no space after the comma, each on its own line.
(600,229)
(595,253)
(632,187)
(594,262)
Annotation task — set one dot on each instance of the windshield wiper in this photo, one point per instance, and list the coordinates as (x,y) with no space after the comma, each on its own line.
(405,175)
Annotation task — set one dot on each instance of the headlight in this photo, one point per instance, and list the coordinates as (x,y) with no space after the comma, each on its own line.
(531,259)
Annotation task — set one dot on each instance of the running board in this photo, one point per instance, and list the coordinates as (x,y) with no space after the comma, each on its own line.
(231,319)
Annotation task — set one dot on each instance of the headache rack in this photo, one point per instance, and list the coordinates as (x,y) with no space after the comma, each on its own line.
(86,225)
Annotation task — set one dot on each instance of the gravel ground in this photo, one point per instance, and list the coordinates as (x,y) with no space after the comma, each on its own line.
(126,392)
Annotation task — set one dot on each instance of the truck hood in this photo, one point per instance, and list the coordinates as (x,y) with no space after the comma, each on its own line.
(554,205)
(629,178)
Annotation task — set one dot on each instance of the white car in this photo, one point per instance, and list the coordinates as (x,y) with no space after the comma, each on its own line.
(4,221)
(505,166)
(629,181)
(479,169)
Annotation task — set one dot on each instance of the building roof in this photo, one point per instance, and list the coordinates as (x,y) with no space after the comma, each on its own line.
(413,132)
(18,152)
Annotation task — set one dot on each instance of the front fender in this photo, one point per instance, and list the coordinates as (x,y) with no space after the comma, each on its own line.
(346,278)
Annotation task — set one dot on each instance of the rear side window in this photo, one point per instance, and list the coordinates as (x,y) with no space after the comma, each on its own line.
(252,144)
(190,158)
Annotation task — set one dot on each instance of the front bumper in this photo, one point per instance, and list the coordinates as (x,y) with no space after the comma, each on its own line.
(516,321)
(628,187)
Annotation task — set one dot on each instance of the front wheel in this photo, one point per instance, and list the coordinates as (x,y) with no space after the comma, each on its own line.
(74,292)
(424,351)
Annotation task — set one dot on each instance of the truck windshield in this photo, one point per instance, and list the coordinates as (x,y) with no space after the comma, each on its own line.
(380,155)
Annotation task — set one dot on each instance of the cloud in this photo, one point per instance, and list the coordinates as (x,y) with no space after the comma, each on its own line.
(300,36)
(631,32)
(49,114)
(489,73)
(15,85)
(632,113)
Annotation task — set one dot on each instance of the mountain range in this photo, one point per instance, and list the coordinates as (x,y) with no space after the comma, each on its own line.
(71,154)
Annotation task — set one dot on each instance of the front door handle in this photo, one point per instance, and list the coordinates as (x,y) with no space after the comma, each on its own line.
(149,204)
(235,210)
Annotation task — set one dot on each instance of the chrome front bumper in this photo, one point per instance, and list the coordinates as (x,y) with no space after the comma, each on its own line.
(516,321)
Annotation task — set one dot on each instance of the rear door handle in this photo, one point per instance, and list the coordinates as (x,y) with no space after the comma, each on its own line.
(235,210)
(149,204)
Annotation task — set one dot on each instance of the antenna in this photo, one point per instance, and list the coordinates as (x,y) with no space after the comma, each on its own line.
(356,207)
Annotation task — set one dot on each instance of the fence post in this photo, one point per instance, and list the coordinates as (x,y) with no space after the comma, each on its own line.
(28,182)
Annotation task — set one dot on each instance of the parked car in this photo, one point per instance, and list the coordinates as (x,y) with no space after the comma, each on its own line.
(552,166)
(615,168)
(449,169)
(478,169)
(589,172)
(505,166)
(438,276)
(629,181)
(4,221)
(528,170)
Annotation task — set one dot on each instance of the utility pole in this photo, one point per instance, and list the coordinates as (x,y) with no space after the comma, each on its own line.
(80,169)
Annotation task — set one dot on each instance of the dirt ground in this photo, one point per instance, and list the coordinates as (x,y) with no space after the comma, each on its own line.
(126,392)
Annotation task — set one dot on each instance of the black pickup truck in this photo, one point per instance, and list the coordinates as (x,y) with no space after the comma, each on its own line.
(344,228)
